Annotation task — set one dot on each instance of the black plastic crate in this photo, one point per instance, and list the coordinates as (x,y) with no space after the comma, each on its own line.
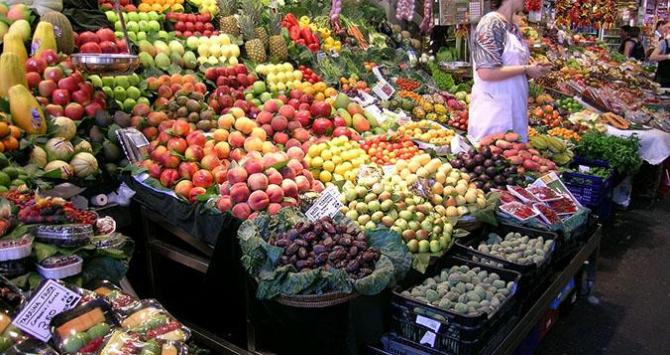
(531,274)
(454,333)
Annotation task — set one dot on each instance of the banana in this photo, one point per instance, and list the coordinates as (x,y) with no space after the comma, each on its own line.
(538,142)
(555,145)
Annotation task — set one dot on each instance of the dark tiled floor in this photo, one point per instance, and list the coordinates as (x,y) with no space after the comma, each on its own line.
(633,287)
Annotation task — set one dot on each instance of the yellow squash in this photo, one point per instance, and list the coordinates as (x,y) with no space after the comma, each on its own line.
(43,38)
(12,72)
(13,43)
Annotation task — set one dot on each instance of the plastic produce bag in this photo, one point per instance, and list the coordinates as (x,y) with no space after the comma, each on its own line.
(40,6)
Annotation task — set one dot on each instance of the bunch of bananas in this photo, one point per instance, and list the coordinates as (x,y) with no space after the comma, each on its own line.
(431,107)
(552,148)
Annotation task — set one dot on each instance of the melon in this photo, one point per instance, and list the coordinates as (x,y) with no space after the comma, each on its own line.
(58,149)
(38,157)
(83,146)
(84,164)
(64,127)
(64,168)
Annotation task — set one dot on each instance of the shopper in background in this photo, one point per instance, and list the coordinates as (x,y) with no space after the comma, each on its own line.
(656,38)
(632,46)
(661,54)
(500,92)
(623,34)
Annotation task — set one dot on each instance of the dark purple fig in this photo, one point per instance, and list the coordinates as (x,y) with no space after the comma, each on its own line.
(319,248)
(352,266)
(301,242)
(353,251)
(302,253)
(292,249)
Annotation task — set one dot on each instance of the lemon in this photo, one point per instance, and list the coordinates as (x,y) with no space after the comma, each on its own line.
(326,155)
(313,150)
(325,176)
(336,159)
(317,162)
(328,165)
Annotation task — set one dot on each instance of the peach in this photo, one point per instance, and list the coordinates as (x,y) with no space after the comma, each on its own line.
(253,215)
(302,183)
(224,188)
(187,169)
(268,130)
(289,202)
(203,178)
(183,188)
(241,211)
(292,143)
(290,188)
(253,165)
(274,177)
(169,160)
(239,192)
(222,150)
(158,152)
(194,153)
(264,117)
(295,165)
(253,144)
(237,154)
(280,138)
(307,174)
(220,135)
(258,181)
(245,125)
(271,106)
(210,162)
(236,112)
(287,111)
(275,193)
(224,204)
(274,208)
(259,133)
(279,123)
(268,147)
(237,174)
(269,160)
(258,200)
(254,155)
(287,173)
(178,145)
(317,186)
(195,192)
(220,174)
(236,139)
(226,121)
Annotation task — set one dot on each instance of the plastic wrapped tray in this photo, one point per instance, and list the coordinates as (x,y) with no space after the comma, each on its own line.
(151,321)
(66,235)
(13,268)
(60,267)
(83,329)
(120,301)
(14,249)
(124,343)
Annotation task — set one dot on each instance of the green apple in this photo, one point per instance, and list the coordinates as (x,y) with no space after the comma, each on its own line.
(162,47)
(144,25)
(118,34)
(128,104)
(153,15)
(413,246)
(132,36)
(133,26)
(163,35)
(117,26)
(147,60)
(144,16)
(192,42)
(125,16)
(257,102)
(122,81)
(154,26)
(213,60)
(162,60)
(108,81)
(435,246)
(249,96)
(266,96)
(176,47)
(190,61)
(259,87)
(133,16)
(119,93)
(424,246)
(202,60)
(141,36)
(109,92)
(95,80)
(133,93)
(111,16)
(134,79)
(143,100)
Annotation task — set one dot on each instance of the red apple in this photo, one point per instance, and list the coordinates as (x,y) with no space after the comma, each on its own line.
(322,126)
(90,47)
(92,108)
(105,34)
(36,65)
(49,56)
(87,37)
(54,110)
(33,79)
(74,111)
(54,73)
(70,84)
(60,97)
(47,87)
(81,97)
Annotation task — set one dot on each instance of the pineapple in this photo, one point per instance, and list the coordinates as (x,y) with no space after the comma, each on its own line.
(227,21)
(276,42)
(253,46)
(254,9)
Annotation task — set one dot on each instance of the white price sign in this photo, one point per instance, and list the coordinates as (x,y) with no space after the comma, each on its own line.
(327,205)
(431,324)
(50,299)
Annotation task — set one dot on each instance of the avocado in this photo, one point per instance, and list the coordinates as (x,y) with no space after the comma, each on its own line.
(111,133)
(112,151)
(122,119)
(110,168)
(103,118)
(96,134)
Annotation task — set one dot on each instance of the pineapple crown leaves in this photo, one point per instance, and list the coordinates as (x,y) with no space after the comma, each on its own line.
(227,7)
(253,9)
(247,27)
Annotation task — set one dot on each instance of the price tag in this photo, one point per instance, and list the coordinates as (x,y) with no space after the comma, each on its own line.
(383,90)
(327,205)
(428,339)
(376,112)
(431,324)
(388,169)
(459,144)
(50,299)
(584,169)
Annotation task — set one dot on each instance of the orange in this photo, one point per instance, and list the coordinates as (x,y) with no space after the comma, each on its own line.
(10,143)
(2,147)
(144,7)
(15,131)
(4,129)
(157,7)
(319,97)
(175,79)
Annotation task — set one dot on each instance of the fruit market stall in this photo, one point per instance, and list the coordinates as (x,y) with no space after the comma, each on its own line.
(299,172)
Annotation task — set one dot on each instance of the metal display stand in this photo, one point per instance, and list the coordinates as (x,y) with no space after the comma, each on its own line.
(587,254)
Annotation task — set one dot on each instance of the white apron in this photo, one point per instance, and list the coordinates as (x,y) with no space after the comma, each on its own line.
(500,106)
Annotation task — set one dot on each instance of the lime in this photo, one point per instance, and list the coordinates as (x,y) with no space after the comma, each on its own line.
(17,182)
(11,171)
(4,179)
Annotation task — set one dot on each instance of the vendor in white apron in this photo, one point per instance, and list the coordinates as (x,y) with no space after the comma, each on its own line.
(499,101)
